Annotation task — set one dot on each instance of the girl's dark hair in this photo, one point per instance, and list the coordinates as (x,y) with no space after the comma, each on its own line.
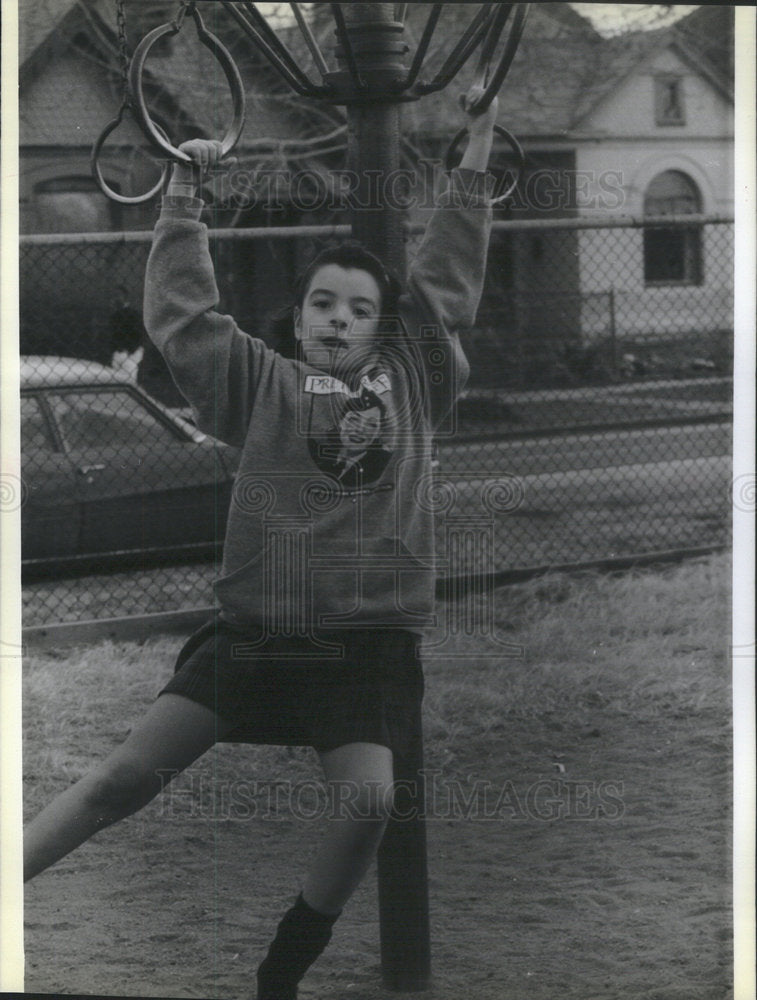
(365,401)
(349,255)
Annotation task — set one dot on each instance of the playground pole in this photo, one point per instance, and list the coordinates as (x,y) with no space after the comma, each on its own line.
(377,221)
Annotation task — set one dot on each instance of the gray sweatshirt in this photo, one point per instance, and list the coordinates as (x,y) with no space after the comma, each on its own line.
(323,534)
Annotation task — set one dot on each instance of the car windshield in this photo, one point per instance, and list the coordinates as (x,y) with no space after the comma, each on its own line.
(98,418)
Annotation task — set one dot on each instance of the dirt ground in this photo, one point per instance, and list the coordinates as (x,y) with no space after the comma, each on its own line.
(599,867)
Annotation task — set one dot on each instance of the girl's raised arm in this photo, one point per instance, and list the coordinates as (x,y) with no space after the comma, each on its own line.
(445,279)
(216,366)
(480,133)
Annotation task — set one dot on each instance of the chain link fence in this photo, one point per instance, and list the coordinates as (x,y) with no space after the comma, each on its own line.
(596,424)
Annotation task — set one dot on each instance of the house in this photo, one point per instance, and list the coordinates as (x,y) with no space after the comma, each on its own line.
(663,121)
(638,125)
(71,87)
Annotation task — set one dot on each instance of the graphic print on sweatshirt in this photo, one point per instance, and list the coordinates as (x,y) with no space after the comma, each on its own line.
(348,431)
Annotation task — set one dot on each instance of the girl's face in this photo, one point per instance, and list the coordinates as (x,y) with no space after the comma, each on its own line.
(340,309)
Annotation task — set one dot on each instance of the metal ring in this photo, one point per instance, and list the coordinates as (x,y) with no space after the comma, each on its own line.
(514,145)
(232,76)
(100,180)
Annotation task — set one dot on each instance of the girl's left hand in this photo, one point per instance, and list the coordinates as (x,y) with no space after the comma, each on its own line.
(479,122)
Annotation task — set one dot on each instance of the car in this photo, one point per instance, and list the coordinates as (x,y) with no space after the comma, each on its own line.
(109,470)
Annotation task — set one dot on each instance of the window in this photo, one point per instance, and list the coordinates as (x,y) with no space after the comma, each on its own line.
(35,433)
(669,106)
(672,254)
(104,418)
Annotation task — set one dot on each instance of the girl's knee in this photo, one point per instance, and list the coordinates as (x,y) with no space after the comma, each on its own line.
(384,802)
(368,802)
(120,788)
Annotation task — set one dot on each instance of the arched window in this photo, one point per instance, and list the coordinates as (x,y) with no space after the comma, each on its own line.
(672,254)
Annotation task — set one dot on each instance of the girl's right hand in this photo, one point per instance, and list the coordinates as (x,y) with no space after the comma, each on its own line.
(205,154)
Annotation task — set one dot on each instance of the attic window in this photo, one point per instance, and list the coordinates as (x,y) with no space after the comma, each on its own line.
(669,105)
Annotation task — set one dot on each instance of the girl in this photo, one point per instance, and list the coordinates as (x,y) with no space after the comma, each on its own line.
(326,584)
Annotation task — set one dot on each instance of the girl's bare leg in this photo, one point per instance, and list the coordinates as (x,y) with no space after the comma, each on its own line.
(174,732)
(360,778)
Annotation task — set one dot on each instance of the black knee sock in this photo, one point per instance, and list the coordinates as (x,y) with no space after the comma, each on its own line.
(301,937)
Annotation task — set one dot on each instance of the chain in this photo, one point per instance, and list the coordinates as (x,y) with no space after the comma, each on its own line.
(123,45)
(186,7)
(123,49)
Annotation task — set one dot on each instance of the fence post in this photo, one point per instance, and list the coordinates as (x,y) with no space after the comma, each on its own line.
(613,340)
(403,877)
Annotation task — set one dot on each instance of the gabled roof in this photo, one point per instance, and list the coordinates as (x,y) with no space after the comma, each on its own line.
(708,32)
(38,27)
(562,70)
(70,105)
(176,76)
(614,60)
(549,72)
(619,56)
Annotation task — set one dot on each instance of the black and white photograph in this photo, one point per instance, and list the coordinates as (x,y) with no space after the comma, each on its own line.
(377,498)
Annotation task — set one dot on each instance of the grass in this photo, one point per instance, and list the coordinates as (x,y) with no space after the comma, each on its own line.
(646,644)
(623,685)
